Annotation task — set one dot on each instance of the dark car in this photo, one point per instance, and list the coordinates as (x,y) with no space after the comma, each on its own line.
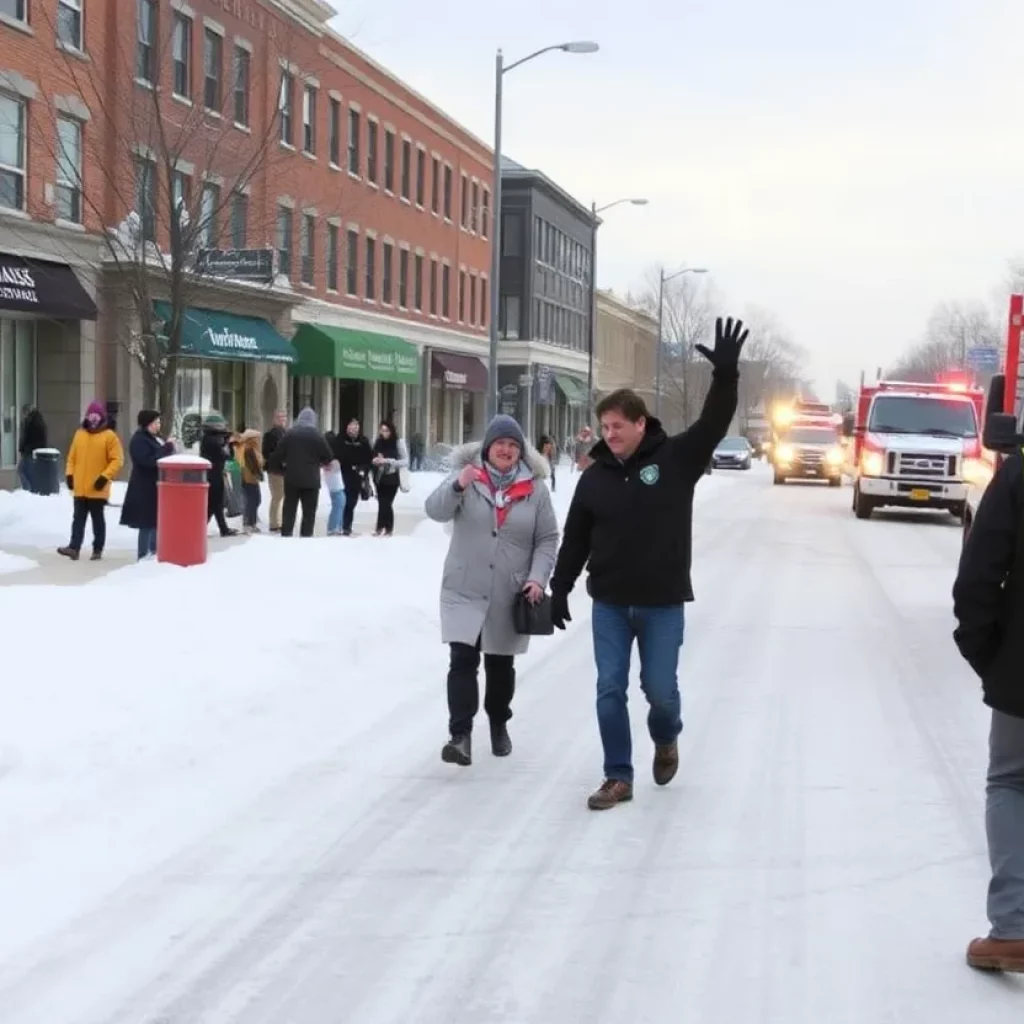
(733,453)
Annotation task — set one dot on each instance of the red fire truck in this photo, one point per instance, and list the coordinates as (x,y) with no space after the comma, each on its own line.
(806,443)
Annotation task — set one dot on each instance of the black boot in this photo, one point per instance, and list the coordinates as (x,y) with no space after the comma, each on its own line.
(501,744)
(458,750)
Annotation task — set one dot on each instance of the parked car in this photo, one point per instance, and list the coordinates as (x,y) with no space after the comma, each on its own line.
(733,453)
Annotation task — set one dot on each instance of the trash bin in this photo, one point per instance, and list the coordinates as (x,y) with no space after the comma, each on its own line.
(182,493)
(44,471)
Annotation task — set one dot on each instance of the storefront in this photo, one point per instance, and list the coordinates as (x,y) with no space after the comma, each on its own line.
(545,400)
(46,351)
(458,385)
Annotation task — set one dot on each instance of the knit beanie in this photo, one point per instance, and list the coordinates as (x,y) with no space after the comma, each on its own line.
(215,422)
(146,417)
(503,427)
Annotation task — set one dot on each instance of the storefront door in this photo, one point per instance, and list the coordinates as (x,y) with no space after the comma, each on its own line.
(17,382)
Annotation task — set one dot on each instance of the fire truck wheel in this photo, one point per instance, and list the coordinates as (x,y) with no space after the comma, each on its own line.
(834,481)
(862,506)
(959,511)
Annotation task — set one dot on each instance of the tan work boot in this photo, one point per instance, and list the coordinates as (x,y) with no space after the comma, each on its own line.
(666,763)
(612,792)
(997,955)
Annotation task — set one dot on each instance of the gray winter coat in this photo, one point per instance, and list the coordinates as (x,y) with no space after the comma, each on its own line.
(486,566)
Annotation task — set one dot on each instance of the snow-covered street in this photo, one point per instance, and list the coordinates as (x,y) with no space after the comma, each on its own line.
(221,804)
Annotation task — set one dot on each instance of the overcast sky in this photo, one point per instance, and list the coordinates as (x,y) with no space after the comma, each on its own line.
(846,166)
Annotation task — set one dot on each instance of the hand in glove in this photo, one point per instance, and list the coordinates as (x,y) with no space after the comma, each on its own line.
(560,610)
(729,340)
(70,481)
(101,482)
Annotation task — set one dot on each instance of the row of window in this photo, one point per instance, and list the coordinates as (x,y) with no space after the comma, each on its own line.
(555,249)
(69,19)
(551,322)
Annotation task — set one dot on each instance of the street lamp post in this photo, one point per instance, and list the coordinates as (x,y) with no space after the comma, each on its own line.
(662,279)
(592,310)
(500,70)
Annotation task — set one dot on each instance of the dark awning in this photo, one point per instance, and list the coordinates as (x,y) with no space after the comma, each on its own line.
(464,373)
(211,334)
(39,286)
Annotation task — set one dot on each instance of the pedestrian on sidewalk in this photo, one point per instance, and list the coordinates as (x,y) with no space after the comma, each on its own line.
(215,447)
(390,457)
(354,453)
(546,446)
(988,603)
(503,542)
(139,511)
(31,436)
(335,484)
(275,481)
(301,456)
(94,459)
(250,458)
(631,518)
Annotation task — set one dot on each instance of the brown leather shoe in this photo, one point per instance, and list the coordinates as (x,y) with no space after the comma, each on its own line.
(612,792)
(666,763)
(997,955)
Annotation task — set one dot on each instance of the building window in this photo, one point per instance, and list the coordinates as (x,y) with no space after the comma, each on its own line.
(446,291)
(371,268)
(435,185)
(462,296)
(389,160)
(403,278)
(69,23)
(474,208)
(353,141)
(145,49)
(309,119)
(483,302)
(332,257)
(213,62)
(464,200)
(406,167)
(421,176)
(286,107)
(18,377)
(334,132)
(512,234)
(181,55)
(145,196)
(69,170)
(243,65)
(447,192)
(12,152)
(352,263)
(181,192)
(371,151)
(417,284)
(16,10)
(485,214)
(433,287)
(239,220)
(387,257)
(209,208)
(284,241)
(472,298)
(307,240)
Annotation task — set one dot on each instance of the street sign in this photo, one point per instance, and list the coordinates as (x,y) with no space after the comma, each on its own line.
(983,357)
(240,264)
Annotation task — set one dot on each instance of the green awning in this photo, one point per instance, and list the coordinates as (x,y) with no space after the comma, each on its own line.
(211,334)
(575,392)
(344,354)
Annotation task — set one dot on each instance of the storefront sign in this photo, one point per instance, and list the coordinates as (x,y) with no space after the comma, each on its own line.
(48,289)
(18,284)
(455,380)
(229,341)
(459,372)
(240,264)
(545,390)
(366,360)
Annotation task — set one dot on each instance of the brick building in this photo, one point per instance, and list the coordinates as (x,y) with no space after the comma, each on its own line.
(133,134)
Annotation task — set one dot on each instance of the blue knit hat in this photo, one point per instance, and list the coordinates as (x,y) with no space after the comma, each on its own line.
(503,427)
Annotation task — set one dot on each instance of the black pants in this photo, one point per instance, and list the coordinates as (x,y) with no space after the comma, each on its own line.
(96,510)
(353,492)
(464,691)
(386,491)
(215,507)
(293,496)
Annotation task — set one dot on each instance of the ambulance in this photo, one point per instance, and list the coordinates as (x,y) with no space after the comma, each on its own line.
(806,443)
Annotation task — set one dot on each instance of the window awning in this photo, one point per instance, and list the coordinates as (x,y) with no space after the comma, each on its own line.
(39,286)
(212,334)
(342,353)
(463,373)
(575,392)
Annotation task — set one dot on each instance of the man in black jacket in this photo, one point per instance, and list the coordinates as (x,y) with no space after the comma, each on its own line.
(271,439)
(630,523)
(300,456)
(988,602)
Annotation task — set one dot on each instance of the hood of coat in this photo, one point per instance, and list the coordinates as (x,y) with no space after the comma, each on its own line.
(306,418)
(468,453)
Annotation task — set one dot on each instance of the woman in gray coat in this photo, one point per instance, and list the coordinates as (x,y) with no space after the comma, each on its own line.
(504,540)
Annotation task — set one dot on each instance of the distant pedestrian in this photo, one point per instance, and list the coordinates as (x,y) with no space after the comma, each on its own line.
(215,447)
(353,451)
(335,484)
(139,511)
(249,454)
(390,457)
(631,519)
(94,459)
(585,441)
(31,436)
(503,542)
(275,481)
(301,456)
(546,446)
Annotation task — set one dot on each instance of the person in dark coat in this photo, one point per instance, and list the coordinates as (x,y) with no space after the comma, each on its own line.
(988,604)
(353,451)
(31,437)
(139,510)
(271,439)
(215,447)
(300,456)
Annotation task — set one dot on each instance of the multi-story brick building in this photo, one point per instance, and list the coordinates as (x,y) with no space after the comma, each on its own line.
(133,134)
(625,348)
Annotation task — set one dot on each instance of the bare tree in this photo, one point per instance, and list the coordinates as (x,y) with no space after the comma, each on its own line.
(772,366)
(953,329)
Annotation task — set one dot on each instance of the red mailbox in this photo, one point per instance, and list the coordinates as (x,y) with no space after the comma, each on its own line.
(182,493)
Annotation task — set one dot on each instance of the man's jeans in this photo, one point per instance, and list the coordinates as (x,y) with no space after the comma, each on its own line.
(337,513)
(659,636)
(1004,823)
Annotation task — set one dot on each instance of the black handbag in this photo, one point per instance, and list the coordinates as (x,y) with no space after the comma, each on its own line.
(532,619)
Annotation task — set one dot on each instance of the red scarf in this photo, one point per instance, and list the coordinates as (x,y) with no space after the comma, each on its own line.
(517,492)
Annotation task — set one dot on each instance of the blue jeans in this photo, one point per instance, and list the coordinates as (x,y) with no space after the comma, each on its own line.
(659,636)
(337,513)
(147,541)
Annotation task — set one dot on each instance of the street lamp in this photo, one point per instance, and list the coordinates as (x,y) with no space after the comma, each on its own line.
(592,315)
(661,320)
(500,70)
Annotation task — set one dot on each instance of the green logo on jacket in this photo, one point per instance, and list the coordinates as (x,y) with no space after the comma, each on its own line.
(650,474)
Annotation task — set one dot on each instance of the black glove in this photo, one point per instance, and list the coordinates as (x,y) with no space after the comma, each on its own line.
(101,482)
(729,340)
(70,481)
(560,610)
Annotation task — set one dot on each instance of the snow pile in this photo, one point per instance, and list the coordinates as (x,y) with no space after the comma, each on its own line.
(15,563)
(33,521)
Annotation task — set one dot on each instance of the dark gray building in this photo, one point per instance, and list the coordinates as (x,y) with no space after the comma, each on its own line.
(544,302)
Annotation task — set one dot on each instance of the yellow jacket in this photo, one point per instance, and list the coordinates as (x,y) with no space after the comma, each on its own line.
(92,455)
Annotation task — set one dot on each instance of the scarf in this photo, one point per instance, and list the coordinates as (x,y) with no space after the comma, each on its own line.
(506,488)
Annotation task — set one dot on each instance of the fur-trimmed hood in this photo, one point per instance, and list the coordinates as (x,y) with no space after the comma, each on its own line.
(470,452)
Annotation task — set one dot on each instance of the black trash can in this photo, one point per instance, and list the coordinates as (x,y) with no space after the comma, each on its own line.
(45,470)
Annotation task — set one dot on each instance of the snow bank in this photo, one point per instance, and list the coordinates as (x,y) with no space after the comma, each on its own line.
(32,521)
(15,563)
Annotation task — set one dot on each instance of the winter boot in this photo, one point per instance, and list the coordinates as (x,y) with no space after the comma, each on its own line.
(612,792)
(997,955)
(501,744)
(666,763)
(97,556)
(71,553)
(458,750)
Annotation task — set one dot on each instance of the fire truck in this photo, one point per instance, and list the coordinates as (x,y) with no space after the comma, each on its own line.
(806,443)
(915,445)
